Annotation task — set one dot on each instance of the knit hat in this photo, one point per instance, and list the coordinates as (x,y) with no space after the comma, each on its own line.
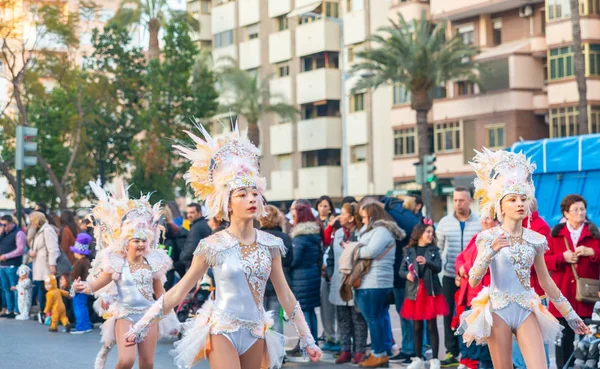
(82,244)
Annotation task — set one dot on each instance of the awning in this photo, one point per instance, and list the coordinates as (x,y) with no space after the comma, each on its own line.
(505,49)
(304,9)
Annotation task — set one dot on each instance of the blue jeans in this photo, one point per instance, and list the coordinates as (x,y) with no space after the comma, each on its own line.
(82,314)
(9,278)
(408,335)
(517,357)
(311,320)
(372,302)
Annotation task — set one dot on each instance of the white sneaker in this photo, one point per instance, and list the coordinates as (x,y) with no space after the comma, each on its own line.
(22,317)
(417,363)
(434,364)
(462,366)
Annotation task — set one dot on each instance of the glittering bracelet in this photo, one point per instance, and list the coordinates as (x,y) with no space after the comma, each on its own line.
(87,291)
(562,305)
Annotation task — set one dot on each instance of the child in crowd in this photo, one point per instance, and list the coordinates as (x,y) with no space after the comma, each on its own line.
(424,301)
(55,307)
(23,289)
(81,267)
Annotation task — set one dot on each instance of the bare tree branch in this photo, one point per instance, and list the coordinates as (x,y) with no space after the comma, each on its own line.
(5,169)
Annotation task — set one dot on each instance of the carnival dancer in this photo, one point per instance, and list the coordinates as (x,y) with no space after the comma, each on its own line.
(233,331)
(129,264)
(509,305)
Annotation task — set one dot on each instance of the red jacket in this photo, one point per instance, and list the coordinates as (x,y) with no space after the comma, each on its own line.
(562,273)
(466,259)
(540,226)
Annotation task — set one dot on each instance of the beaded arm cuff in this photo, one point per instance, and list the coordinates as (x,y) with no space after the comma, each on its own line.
(302,329)
(88,290)
(484,258)
(566,310)
(140,329)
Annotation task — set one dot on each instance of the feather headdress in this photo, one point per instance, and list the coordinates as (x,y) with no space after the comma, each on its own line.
(500,173)
(120,219)
(220,166)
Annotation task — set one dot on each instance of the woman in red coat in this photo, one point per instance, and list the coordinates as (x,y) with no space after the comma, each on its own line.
(574,243)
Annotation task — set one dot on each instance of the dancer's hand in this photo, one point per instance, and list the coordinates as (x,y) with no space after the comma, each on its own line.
(82,287)
(129,341)
(500,242)
(314,353)
(105,305)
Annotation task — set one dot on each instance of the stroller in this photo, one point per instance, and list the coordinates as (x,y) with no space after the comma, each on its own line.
(586,354)
(195,299)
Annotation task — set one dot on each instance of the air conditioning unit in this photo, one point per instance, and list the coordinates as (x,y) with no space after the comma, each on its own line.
(525,11)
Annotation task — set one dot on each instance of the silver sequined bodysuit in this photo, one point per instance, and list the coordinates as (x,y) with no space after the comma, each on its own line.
(511,295)
(241,273)
(134,291)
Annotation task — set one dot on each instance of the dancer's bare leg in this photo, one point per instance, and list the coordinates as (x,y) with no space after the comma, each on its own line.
(500,344)
(126,354)
(222,355)
(147,348)
(531,343)
(252,358)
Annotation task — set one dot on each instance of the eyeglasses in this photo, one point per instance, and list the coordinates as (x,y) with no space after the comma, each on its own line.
(3,224)
(581,210)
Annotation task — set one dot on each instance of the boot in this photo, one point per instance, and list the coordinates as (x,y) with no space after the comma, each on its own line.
(345,357)
(358,358)
(375,362)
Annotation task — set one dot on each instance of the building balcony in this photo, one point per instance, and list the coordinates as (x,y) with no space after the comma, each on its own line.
(461,9)
(281,90)
(411,10)
(355,30)
(282,186)
(319,133)
(280,46)
(357,128)
(281,138)
(222,53)
(279,7)
(223,18)
(250,54)
(318,36)
(249,12)
(565,91)
(560,33)
(540,102)
(317,85)
(474,105)
(358,179)
(314,182)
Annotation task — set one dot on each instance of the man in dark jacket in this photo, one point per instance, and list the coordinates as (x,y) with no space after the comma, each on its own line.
(406,220)
(199,230)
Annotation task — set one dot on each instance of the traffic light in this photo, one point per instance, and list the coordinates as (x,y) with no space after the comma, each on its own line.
(429,168)
(25,145)
(419,175)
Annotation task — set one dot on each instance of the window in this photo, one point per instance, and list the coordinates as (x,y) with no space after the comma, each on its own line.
(353,5)
(205,7)
(325,108)
(494,75)
(284,162)
(281,23)
(104,15)
(465,88)
(304,19)
(327,59)
(563,121)
(594,119)
(317,158)
(357,102)
(332,10)
(405,142)
(224,39)
(401,94)
(252,31)
(497,24)
(206,44)
(467,33)
(495,136)
(447,137)
(439,92)
(561,62)
(85,38)
(358,153)
(593,58)
(283,70)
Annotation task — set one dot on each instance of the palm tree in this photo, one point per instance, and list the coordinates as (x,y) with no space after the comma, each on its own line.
(579,68)
(248,95)
(419,56)
(153,15)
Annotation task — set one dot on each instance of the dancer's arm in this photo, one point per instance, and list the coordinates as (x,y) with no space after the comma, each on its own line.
(292,309)
(486,251)
(557,298)
(88,288)
(168,301)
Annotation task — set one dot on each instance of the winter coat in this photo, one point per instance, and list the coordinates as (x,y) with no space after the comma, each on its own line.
(406,220)
(376,239)
(333,267)
(466,259)
(562,272)
(539,225)
(451,240)
(45,244)
(286,261)
(306,264)
(199,230)
(66,239)
(432,267)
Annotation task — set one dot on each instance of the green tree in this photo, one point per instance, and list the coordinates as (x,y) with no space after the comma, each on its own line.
(152,14)
(579,64)
(419,56)
(248,95)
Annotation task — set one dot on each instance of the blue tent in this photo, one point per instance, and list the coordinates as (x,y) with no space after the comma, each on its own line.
(565,166)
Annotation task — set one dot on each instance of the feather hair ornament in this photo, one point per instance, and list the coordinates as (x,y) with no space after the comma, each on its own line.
(500,173)
(221,165)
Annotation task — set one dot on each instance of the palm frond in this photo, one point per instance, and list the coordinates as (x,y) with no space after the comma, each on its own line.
(128,13)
